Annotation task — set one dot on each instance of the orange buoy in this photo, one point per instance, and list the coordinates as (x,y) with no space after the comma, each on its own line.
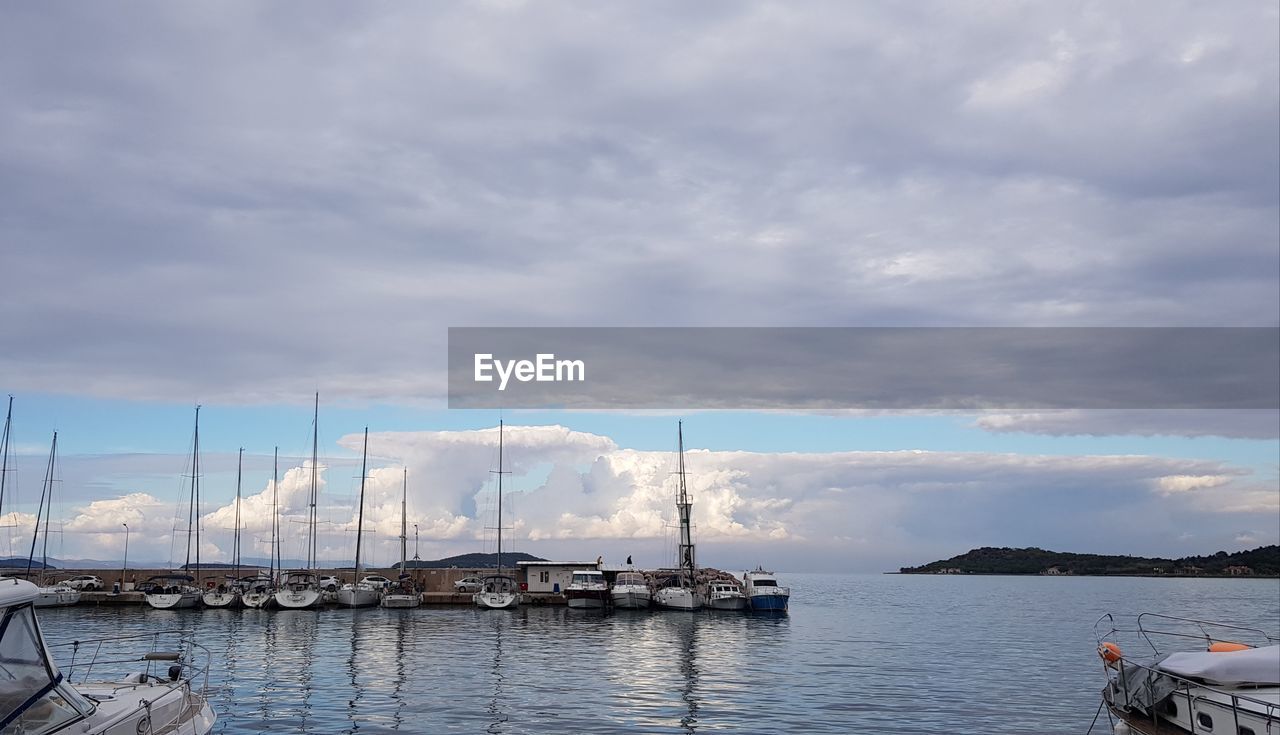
(1109,652)
(1227,647)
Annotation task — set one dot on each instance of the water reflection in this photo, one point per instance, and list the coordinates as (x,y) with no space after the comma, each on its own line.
(497,717)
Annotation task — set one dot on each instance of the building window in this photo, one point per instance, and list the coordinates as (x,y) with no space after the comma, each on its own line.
(544,577)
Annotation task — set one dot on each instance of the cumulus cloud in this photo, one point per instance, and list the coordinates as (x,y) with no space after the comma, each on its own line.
(575,494)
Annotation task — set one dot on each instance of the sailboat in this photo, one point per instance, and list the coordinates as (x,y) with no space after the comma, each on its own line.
(173,591)
(227,594)
(680,592)
(405,593)
(498,591)
(55,595)
(300,588)
(261,592)
(358,593)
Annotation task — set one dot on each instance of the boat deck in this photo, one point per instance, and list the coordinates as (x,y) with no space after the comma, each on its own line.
(1144,726)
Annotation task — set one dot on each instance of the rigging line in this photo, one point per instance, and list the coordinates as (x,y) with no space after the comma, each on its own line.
(47,474)
(4,451)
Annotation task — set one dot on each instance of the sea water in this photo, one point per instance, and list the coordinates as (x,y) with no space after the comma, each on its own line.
(856,654)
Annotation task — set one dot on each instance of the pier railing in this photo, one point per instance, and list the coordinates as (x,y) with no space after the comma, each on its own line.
(1131,677)
(170,655)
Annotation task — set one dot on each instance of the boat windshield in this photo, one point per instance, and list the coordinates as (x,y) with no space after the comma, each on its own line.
(584,578)
(764,583)
(30,699)
(630,578)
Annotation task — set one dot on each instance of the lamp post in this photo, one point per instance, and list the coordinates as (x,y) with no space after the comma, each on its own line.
(124,565)
(415,543)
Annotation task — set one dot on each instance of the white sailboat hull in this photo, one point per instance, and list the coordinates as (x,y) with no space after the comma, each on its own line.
(56,596)
(401,601)
(174,601)
(298,599)
(257,600)
(496,600)
(220,599)
(677,598)
(358,596)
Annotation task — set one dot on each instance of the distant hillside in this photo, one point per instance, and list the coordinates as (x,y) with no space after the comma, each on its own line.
(14,562)
(471,561)
(1263,561)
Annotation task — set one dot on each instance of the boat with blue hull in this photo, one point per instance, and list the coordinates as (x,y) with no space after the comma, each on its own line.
(764,593)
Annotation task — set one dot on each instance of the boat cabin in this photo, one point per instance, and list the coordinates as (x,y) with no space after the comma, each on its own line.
(588,579)
(630,579)
(34,697)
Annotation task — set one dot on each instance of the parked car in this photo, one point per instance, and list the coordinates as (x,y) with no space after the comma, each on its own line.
(85,582)
(377,580)
(330,583)
(468,584)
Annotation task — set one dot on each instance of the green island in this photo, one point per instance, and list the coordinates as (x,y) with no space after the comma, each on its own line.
(1263,561)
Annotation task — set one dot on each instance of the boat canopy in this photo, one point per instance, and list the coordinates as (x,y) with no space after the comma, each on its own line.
(179,577)
(630,578)
(1250,667)
(29,677)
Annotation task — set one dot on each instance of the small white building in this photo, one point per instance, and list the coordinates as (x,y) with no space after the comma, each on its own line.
(549,576)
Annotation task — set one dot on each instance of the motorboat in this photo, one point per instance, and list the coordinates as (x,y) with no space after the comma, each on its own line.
(763,592)
(630,591)
(41,697)
(726,594)
(587,590)
(1230,683)
(497,592)
(299,590)
(403,594)
(173,592)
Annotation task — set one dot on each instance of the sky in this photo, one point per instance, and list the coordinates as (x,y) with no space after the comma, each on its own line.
(237,205)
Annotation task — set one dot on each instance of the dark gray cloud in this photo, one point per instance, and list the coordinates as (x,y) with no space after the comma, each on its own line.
(249,202)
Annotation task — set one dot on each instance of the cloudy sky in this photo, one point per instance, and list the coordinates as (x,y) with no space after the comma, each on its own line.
(240,204)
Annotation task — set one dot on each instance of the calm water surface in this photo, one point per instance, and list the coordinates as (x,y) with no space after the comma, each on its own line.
(857,654)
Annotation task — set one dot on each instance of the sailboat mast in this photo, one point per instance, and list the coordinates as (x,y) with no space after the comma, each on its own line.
(191,502)
(315,458)
(364,459)
(4,452)
(239,475)
(500,427)
(195,488)
(275,512)
(404,526)
(45,489)
(684,506)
